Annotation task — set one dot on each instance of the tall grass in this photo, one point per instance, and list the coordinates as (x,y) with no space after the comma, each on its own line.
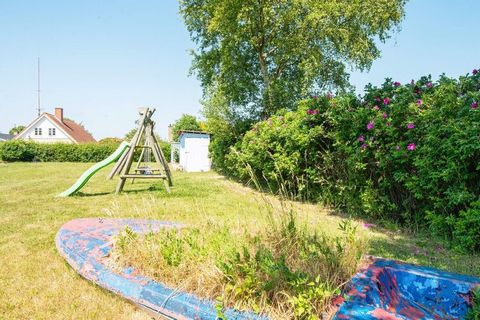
(279,266)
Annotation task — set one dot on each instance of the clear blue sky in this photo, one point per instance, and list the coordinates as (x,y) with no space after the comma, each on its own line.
(101,60)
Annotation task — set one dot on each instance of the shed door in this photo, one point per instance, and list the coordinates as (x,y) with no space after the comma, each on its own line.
(197,155)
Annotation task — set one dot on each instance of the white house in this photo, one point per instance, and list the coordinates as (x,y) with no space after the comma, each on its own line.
(193,151)
(49,128)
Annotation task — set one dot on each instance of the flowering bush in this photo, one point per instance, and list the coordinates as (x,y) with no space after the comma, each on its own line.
(406,152)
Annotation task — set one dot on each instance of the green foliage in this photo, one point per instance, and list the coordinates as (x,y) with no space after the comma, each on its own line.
(288,267)
(129,135)
(466,228)
(404,152)
(225,126)
(16,130)
(307,268)
(112,140)
(265,55)
(186,122)
(17,150)
(474,312)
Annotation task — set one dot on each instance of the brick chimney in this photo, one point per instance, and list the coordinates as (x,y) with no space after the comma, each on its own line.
(59,114)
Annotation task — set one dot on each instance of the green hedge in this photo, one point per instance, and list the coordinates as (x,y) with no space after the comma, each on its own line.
(61,152)
(410,153)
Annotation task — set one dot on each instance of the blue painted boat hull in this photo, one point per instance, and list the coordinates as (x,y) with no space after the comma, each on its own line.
(392,290)
(86,244)
(386,289)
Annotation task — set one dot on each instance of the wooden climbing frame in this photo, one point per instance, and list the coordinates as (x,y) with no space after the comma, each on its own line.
(144,139)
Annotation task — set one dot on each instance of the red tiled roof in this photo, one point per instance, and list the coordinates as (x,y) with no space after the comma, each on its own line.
(74,130)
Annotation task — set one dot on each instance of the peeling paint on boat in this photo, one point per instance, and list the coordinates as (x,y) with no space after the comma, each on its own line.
(86,244)
(392,290)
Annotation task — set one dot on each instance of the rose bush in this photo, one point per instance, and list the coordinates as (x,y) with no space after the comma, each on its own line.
(407,152)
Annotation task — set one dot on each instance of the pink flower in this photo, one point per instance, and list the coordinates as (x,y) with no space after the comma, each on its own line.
(329,95)
(474,105)
(386,101)
(429,84)
(419,102)
(475,71)
(312,111)
(397,84)
(370,125)
(376,108)
(410,125)
(411,147)
(364,146)
(369,225)
(361,138)
(384,115)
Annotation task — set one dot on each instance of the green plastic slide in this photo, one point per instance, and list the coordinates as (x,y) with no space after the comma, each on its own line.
(94,169)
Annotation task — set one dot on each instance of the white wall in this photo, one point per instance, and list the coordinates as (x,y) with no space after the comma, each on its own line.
(45,124)
(194,152)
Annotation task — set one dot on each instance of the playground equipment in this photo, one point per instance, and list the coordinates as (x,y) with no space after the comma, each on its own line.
(144,139)
(150,146)
(94,169)
(86,244)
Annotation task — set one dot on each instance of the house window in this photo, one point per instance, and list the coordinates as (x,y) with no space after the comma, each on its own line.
(51,131)
(38,131)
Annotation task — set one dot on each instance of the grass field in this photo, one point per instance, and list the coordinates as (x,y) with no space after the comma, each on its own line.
(36,283)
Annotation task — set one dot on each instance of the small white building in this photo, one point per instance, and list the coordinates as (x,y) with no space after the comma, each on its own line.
(192,151)
(49,128)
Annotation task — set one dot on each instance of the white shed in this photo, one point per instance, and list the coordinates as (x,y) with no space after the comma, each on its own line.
(193,151)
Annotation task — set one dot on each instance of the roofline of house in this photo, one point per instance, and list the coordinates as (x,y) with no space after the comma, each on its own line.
(193,131)
(47,115)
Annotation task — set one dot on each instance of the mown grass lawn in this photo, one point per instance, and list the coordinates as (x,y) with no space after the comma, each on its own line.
(36,283)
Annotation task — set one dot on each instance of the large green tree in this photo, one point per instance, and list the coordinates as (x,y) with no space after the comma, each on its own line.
(16,130)
(267,54)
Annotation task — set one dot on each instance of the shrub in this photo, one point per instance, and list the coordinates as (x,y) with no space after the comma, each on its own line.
(466,228)
(61,152)
(16,151)
(410,153)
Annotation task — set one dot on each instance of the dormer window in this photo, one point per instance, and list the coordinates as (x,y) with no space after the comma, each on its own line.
(38,131)
(51,131)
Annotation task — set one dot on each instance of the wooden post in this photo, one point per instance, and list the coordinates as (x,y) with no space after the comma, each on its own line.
(162,159)
(118,166)
(131,151)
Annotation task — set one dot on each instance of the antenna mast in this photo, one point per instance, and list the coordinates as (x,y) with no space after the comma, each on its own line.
(38,86)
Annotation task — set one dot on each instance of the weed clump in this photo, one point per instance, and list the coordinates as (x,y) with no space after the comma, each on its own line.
(285,270)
